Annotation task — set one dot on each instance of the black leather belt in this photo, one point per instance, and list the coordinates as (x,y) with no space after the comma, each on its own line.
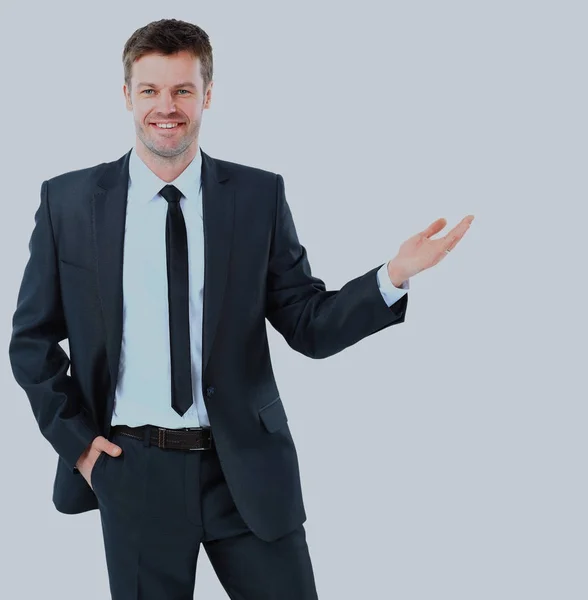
(188,438)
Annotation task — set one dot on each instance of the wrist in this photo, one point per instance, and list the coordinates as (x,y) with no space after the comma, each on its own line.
(396,275)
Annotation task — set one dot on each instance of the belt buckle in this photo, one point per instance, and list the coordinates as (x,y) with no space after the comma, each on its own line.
(204,447)
(209,438)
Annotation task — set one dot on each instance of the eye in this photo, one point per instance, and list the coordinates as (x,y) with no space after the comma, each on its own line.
(145,91)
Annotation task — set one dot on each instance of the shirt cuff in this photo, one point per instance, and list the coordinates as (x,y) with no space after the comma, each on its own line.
(390,293)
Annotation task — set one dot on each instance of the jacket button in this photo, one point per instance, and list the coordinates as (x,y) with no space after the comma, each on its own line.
(209,391)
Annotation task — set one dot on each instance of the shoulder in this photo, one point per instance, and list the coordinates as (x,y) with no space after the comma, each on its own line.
(244,173)
(77,181)
(83,174)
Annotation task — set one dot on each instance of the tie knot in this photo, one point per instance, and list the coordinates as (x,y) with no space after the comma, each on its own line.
(171,193)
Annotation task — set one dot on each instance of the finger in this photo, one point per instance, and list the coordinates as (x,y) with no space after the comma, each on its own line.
(104,445)
(464,224)
(113,449)
(454,240)
(455,234)
(435,227)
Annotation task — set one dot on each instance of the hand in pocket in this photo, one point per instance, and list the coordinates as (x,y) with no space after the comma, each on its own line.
(87,460)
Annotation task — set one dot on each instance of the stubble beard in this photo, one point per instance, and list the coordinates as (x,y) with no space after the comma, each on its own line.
(165,149)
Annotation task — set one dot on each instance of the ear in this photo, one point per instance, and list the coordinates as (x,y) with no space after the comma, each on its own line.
(127,96)
(208,96)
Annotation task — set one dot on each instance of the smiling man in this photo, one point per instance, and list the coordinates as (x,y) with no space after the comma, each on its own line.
(161,268)
(171,142)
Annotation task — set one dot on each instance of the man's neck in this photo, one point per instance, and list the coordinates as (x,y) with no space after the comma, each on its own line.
(166,169)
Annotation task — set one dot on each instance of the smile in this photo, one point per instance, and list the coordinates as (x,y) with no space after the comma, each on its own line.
(175,127)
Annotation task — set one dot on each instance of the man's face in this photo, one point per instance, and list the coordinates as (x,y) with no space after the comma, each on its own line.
(156,96)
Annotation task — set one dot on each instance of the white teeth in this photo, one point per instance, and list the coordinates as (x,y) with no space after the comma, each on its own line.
(166,125)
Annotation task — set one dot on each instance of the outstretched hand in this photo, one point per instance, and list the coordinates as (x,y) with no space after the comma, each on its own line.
(420,252)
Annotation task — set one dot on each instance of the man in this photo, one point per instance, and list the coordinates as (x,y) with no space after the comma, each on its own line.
(160,268)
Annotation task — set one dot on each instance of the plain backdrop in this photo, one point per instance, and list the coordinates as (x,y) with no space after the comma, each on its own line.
(443,458)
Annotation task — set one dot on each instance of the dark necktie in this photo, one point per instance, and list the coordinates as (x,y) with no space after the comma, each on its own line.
(176,247)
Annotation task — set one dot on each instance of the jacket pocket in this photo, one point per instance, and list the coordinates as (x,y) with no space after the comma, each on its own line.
(94,470)
(273,415)
(85,268)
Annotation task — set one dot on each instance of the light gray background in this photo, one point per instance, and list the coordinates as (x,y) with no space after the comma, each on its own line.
(443,458)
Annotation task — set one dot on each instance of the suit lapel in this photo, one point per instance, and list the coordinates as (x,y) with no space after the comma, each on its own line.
(109,205)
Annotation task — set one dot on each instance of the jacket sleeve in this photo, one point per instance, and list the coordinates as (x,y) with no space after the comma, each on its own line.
(38,362)
(314,321)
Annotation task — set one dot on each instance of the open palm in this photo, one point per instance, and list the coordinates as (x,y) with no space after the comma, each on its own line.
(420,252)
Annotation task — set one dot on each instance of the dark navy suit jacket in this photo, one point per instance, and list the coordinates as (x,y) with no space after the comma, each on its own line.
(255,268)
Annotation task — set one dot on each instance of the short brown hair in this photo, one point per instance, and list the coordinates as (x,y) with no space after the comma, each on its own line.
(168,36)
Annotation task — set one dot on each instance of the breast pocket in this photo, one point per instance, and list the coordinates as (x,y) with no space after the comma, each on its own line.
(77,282)
(80,299)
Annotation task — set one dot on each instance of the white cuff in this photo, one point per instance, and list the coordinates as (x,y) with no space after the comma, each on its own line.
(390,293)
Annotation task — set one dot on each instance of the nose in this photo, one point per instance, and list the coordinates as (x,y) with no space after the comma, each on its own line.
(166,103)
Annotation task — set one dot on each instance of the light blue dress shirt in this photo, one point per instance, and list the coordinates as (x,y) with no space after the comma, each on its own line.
(143,390)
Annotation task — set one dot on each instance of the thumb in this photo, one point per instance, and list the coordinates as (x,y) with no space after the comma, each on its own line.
(107,446)
(113,449)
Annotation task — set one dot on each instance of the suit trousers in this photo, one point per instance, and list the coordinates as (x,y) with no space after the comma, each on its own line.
(156,507)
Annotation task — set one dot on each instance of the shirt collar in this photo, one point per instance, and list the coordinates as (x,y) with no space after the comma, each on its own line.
(146,184)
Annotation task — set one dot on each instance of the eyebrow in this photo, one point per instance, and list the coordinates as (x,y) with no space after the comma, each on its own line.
(179,85)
